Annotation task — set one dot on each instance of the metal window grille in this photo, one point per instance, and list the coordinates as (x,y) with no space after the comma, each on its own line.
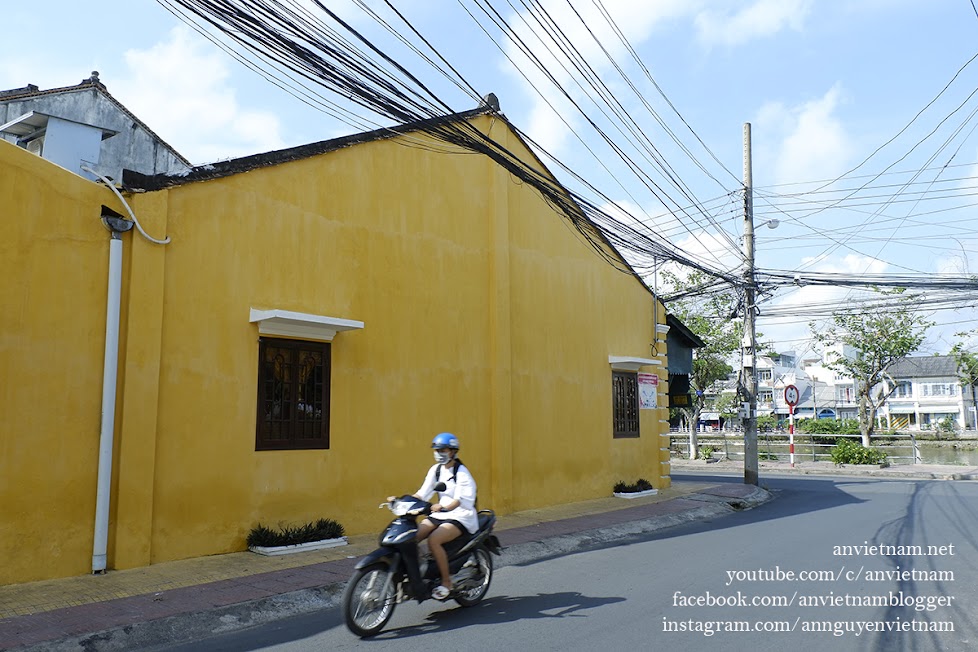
(293,394)
(624,396)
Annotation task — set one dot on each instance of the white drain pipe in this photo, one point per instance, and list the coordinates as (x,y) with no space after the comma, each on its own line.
(110,372)
(110,369)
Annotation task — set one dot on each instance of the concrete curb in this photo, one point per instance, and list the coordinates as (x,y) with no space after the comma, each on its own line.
(919,472)
(189,627)
(716,502)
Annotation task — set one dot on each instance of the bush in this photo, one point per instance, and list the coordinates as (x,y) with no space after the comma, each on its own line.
(947,425)
(828,426)
(847,451)
(324,528)
(641,485)
(706,452)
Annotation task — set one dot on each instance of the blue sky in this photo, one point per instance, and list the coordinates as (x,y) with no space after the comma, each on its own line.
(824,85)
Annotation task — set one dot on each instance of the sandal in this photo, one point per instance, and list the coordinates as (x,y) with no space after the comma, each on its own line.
(441,593)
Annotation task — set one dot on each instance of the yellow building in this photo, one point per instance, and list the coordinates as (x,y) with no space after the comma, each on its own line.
(318,315)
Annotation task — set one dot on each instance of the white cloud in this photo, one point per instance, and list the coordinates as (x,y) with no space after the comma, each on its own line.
(180,88)
(761,19)
(814,144)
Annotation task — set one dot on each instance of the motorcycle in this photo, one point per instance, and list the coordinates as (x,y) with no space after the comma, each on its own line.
(394,572)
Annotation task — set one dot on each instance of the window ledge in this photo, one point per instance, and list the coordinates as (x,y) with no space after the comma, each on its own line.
(627,363)
(302,325)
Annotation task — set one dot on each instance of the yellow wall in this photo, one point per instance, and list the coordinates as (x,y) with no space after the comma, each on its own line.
(54,264)
(570,311)
(485,314)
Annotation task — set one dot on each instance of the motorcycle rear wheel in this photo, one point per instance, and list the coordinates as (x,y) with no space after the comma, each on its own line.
(473,596)
(367,611)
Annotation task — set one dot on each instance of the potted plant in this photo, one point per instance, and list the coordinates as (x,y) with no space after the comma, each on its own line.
(324,533)
(641,488)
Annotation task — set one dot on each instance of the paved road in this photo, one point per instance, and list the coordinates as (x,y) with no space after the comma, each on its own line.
(777,564)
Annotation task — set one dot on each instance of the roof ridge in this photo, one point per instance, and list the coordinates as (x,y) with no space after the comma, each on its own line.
(149,182)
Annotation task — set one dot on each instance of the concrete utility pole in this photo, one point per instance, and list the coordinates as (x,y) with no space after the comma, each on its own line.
(750,325)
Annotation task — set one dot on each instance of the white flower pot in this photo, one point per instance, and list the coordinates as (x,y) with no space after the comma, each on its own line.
(636,494)
(271,551)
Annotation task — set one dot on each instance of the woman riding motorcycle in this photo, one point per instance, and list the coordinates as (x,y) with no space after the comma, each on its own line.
(454,513)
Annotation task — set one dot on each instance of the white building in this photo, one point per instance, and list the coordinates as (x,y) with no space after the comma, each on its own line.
(774,373)
(927,391)
(83,125)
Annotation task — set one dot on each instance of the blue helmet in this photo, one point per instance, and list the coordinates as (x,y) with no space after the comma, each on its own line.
(445,440)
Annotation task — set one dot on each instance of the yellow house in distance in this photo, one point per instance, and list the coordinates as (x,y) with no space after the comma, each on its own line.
(317,316)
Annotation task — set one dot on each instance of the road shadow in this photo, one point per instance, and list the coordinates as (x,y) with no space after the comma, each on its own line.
(930,579)
(492,610)
(503,609)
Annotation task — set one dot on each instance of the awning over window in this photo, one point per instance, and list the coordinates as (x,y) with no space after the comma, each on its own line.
(628,363)
(299,324)
(901,409)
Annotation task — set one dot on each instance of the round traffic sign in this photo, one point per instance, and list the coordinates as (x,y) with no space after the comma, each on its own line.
(791,395)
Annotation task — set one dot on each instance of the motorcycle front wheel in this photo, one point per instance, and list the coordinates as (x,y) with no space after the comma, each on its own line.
(369,599)
(483,577)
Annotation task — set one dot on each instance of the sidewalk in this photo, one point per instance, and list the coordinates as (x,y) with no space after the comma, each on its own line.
(196,598)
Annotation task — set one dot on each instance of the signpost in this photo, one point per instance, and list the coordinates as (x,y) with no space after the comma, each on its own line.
(791,396)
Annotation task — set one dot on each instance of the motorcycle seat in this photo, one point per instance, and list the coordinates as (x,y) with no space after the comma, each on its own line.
(487,518)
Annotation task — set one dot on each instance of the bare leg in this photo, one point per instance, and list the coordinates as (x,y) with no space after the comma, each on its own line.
(442,535)
(424,530)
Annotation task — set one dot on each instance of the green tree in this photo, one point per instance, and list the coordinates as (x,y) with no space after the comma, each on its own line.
(879,336)
(727,405)
(967,371)
(710,317)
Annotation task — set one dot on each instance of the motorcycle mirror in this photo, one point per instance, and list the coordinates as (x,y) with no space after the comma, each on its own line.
(440,487)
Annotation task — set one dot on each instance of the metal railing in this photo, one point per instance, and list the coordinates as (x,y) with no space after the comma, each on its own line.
(900,448)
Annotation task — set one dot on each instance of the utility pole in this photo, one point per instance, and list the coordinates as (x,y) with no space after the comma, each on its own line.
(749,372)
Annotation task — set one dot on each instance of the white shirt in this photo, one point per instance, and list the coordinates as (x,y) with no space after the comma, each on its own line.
(462,489)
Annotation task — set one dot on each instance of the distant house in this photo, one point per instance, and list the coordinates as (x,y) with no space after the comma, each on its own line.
(83,125)
(775,371)
(928,391)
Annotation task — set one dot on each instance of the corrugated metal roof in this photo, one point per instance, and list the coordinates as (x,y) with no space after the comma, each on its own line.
(694,339)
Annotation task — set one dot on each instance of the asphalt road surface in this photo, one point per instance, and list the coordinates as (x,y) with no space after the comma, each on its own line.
(832,564)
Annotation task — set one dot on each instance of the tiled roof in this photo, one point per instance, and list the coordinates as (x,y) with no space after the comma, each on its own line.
(931,366)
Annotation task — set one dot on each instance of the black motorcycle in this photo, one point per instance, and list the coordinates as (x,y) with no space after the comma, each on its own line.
(394,572)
